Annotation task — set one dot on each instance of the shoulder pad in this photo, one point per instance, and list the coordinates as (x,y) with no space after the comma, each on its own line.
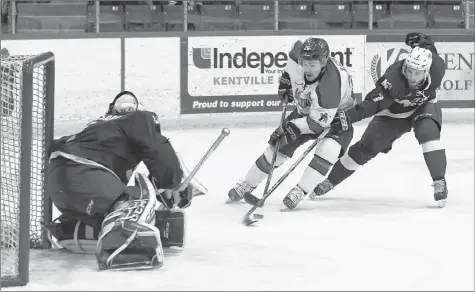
(329,87)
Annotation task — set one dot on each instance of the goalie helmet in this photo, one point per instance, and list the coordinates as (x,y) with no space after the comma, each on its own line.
(124,102)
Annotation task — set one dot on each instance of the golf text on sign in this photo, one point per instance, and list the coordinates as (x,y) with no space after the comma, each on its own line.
(458,57)
(233,67)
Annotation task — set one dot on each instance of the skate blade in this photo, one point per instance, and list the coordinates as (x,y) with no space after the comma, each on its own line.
(442,203)
(286,209)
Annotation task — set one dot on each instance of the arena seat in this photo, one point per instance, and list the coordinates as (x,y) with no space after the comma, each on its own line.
(144,18)
(360,15)
(407,16)
(381,17)
(446,15)
(110,18)
(296,16)
(51,17)
(256,16)
(218,17)
(173,16)
(332,15)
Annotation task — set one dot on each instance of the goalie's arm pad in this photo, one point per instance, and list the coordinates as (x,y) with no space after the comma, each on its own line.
(154,149)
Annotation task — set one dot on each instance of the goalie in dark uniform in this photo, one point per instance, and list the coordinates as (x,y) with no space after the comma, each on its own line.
(106,212)
(404,99)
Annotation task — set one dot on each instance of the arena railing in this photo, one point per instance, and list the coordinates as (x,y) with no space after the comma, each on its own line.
(12,12)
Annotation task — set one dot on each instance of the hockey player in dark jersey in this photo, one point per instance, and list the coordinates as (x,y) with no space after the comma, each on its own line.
(88,184)
(404,99)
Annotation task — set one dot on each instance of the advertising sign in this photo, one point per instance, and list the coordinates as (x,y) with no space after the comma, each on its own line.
(241,73)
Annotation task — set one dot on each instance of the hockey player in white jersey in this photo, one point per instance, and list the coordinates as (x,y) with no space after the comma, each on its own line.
(320,87)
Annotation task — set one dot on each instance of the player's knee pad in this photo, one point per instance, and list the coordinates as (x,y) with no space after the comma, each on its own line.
(264,161)
(129,238)
(426,130)
(360,154)
(326,154)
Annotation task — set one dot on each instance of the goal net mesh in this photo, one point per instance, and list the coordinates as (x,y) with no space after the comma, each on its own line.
(12,98)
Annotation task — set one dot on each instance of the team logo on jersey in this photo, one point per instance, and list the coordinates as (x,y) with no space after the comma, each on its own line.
(323,119)
(386,84)
(420,98)
(302,98)
(379,63)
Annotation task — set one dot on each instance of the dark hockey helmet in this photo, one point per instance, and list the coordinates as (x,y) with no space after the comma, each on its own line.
(315,49)
(125,101)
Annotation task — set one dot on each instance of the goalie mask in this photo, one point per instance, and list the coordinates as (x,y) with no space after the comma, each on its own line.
(124,102)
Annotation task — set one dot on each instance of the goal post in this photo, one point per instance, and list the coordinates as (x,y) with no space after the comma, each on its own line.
(27,131)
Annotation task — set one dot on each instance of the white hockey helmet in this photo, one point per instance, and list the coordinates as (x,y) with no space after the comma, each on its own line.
(418,59)
(124,102)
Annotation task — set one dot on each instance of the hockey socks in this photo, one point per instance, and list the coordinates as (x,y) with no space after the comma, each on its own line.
(435,158)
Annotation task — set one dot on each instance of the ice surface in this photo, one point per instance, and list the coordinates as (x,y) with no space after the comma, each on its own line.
(379,230)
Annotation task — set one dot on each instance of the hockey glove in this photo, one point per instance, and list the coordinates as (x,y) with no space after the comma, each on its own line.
(413,38)
(174,198)
(340,124)
(286,133)
(285,88)
(417,39)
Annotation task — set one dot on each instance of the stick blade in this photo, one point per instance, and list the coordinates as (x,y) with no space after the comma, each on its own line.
(247,221)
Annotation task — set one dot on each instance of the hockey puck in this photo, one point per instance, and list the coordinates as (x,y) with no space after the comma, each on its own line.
(258,216)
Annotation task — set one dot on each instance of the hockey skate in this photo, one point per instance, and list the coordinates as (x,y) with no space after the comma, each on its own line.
(236,194)
(321,189)
(293,198)
(440,192)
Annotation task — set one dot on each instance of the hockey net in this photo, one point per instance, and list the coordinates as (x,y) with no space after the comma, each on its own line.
(27,105)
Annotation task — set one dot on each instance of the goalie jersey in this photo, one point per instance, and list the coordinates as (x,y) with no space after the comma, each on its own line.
(319,101)
(117,143)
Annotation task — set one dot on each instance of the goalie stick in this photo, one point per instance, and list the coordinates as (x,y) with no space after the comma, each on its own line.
(181,187)
(251,217)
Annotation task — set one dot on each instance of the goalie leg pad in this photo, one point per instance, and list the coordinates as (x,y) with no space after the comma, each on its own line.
(129,239)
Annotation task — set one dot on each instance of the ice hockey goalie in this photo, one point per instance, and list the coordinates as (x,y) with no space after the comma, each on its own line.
(124,219)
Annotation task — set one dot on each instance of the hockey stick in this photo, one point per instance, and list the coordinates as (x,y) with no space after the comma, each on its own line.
(224,133)
(260,202)
(247,218)
(181,187)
